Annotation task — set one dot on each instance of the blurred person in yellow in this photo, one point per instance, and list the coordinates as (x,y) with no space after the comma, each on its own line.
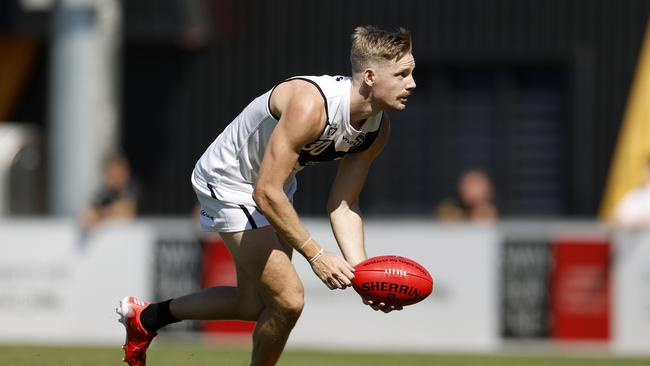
(117,197)
(475,200)
(633,210)
(245,183)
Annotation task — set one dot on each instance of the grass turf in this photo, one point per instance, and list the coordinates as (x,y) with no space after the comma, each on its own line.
(197,355)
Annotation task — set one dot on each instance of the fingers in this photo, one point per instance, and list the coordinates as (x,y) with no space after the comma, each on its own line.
(349,267)
(338,282)
(349,274)
(345,277)
(333,282)
(382,306)
(335,271)
(344,272)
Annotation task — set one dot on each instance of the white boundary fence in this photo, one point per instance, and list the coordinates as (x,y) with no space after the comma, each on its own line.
(57,287)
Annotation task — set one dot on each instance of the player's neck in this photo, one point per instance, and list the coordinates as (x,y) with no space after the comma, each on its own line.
(361,106)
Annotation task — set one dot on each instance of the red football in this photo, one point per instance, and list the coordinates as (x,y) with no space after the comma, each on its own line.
(392,280)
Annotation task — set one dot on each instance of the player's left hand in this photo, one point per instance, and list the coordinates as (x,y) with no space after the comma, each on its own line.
(333,270)
(381,306)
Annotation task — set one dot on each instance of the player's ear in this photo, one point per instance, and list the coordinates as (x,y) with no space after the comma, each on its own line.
(369,76)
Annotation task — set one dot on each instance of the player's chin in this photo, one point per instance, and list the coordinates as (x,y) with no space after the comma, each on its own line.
(398,106)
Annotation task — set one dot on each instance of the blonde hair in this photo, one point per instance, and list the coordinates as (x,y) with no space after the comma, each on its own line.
(371,44)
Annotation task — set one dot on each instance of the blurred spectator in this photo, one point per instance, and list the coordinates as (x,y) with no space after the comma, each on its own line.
(117,197)
(474,202)
(634,209)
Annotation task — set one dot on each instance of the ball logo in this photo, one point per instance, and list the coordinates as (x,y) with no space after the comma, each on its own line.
(391,287)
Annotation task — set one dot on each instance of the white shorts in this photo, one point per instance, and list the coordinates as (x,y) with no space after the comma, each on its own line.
(228,217)
(222,216)
(224,212)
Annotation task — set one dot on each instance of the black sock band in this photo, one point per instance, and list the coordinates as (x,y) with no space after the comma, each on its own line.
(156,316)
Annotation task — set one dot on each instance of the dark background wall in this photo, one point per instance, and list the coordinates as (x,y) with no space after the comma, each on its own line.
(531,91)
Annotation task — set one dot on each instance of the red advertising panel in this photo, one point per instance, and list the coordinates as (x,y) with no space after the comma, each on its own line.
(579,293)
(219,270)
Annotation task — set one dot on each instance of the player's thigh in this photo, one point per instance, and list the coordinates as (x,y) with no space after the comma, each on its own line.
(265,261)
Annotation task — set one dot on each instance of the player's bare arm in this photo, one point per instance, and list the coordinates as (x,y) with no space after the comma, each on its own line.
(302,119)
(343,203)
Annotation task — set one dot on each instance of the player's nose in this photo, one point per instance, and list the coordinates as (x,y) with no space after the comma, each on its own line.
(411,84)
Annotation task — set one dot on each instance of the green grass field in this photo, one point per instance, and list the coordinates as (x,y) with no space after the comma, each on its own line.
(163,354)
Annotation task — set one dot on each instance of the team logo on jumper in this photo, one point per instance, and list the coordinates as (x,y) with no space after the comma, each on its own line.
(331,131)
(356,141)
(317,147)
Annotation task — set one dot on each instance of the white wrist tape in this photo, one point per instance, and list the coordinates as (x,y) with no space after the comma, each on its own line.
(315,258)
(305,243)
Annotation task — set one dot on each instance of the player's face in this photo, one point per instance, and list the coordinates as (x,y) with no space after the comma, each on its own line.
(395,83)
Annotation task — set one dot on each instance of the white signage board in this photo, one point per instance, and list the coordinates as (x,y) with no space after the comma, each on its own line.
(631,292)
(462,312)
(57,286)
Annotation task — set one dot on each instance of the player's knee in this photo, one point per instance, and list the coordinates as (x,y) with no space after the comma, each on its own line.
(290,305)
(291,310)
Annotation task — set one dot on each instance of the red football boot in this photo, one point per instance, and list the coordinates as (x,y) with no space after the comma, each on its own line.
(137,337)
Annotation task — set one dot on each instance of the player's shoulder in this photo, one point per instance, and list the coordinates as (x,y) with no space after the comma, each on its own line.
(297,88)
(326,84)
(305,89)
(322,79)
(309,93)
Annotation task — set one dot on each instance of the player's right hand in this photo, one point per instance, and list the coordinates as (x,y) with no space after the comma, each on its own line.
(333,270)
(381,306)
